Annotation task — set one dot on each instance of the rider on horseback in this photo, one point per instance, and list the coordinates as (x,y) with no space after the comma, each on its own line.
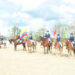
(18,37)
(31,38)
(1,39)
(58,39)
(71,39)
(47,35)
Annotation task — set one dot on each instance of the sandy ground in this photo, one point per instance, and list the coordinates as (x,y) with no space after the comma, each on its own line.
(23,63)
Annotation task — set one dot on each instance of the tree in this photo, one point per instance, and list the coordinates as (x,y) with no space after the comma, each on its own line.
(14,28)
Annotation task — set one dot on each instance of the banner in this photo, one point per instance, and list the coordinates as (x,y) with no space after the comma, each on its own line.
(23,34)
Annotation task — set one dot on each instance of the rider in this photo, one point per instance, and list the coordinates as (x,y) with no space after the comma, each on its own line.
(1,38)
(58,39)
(31,38)
(47,35)
(71,39)
(18,37)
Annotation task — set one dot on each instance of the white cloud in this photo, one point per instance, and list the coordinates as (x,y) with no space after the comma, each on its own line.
(66,9)
(28,4)
(69,1)
(52,12)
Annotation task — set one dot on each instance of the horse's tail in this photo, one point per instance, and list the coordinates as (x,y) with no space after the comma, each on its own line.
(33,45)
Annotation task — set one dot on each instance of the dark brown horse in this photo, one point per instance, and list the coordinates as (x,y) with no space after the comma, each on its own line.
(31,44)
(46,43)
(57,45)
(68,45)
(18,43)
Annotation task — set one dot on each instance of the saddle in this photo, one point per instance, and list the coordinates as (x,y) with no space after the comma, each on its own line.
(19,41)
(60,44)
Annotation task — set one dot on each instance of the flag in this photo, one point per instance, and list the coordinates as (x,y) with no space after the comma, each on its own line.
(55,32)
(23,34)
(17,30)
(66,33)
(43,33)
(15,36)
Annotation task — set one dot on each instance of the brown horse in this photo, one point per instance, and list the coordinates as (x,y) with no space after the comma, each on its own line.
(45,43)
(31,44)
(18,43)
(57,45)
(68,45)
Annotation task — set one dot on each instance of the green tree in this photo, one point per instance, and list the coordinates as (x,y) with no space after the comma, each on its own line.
(14,29)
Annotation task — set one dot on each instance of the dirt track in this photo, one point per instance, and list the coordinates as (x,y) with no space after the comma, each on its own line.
(23,63)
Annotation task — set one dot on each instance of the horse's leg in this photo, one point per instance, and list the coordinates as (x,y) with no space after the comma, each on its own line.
(24,46)
(74,51)
(4,44)
(35,47)
(28,49)
(15,47)
(47,49)
(0,46)
(68,50)
(51,48)
(44,50)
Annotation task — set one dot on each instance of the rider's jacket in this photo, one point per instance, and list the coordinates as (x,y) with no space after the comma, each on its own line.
(47,36)
(58,39)
(18,37)
(31,38)
(71,39)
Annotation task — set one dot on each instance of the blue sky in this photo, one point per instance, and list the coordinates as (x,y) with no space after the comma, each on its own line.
(34,14)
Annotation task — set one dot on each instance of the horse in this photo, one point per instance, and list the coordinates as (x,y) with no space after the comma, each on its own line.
(1,43)
(57,45)
(31,44)
(45,43)
(68,46)
(17,43)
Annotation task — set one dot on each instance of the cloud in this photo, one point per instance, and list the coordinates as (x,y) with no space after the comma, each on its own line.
(28,5)
(34,14)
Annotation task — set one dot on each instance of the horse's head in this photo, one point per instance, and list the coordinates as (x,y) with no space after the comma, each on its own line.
(66,40)
(40,39)
(10,41)
(25,40)
(55,40)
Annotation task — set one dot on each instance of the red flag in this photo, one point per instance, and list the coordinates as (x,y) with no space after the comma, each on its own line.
(43,33)
(55,32)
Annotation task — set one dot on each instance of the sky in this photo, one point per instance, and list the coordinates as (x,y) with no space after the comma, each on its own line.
(34,14)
